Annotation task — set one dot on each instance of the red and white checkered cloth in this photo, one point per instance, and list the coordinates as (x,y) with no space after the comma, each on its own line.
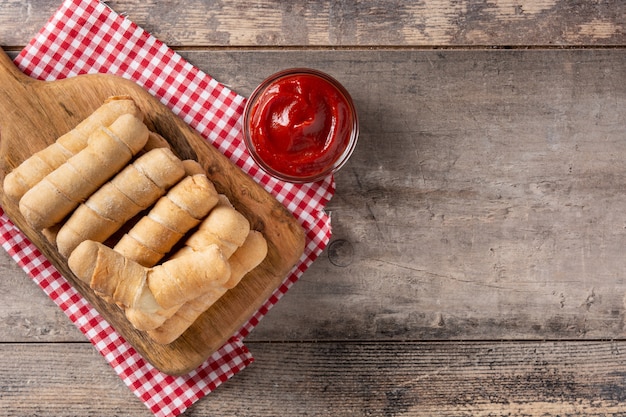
(88,37)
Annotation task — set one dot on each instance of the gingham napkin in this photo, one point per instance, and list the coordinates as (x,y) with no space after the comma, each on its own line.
(88,37)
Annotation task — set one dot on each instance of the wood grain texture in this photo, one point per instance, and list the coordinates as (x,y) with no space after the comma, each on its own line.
(484,202)
(504,220)
(346,379)
(34,113)
(351,23)
(484,199)
(26,313)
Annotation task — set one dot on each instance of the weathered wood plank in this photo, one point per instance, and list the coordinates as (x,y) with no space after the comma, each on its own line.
(484,200)
(62,380)
(331,379)
(26,313)
(500,218)
(352,23)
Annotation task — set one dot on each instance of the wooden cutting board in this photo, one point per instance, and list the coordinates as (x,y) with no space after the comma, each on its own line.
(33,114)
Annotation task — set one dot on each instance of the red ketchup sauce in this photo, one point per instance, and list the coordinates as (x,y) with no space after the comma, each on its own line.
(301,125)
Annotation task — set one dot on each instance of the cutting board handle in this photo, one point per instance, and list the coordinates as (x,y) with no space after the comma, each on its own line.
(9,73)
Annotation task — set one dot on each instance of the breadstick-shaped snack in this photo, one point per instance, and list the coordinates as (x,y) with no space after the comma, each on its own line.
(162,160)
(212,271)
(145,321)
(224,226)
(174,326)
(172,216)
(179,211)
(155,141)
(193,167)
(137,251)
(131,285)
(160,168)
(179,280)
(186,203)
(109,273)
(40,164)
(244,260)
(61,191)
(119,200)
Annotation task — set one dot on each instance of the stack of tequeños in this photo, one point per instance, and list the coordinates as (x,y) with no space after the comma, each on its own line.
(171,264)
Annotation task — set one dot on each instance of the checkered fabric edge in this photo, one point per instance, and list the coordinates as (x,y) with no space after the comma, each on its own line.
(86,36)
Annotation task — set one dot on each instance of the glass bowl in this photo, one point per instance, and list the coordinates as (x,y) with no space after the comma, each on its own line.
(300,125)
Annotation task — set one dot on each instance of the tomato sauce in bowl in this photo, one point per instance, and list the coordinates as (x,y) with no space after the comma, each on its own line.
(300,125)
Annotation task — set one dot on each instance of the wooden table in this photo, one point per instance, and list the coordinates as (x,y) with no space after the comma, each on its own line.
(477,265)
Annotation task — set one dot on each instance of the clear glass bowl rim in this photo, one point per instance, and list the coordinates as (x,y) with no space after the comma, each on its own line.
(340,161)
